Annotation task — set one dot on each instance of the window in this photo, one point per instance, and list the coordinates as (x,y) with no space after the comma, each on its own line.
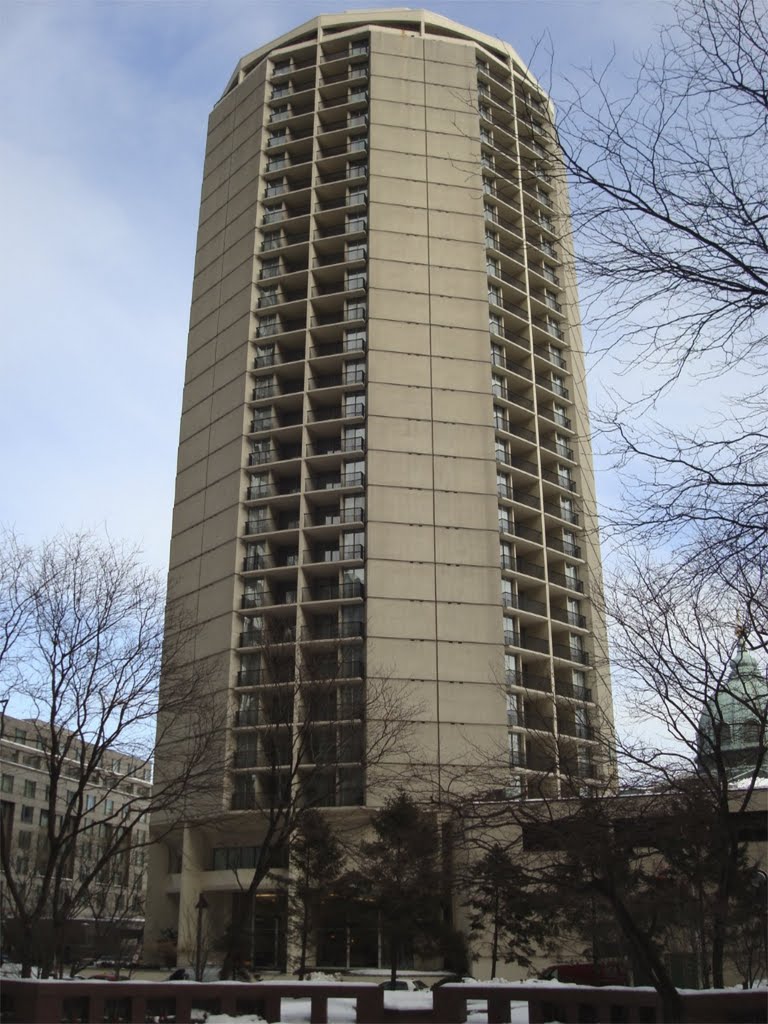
(20,735)
(562,447)
(503,485)
(564,477)
(494,323)
(558,385)
(30,788)
(269,296)
(272,241)
(274,214)
(492,266)
(572,577)
(354,372)
(7,784)
(270,267)
(502,450)
(90,801)
(560,416)
(516,749)
(355,279)
(506,556)
(268,325)
(277,136)
(110,807)
(279,113)
(514,709)
(44,818)
(354,404)
(27,814)
(491,239)
(499,388)
(24,839)
(355,339)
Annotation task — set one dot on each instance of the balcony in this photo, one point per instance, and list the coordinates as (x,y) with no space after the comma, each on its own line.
(322,414)
(559,479)
(251,677)
(559,419)
(338,482)
(344,553)
(333,631)
(570,654)
(567,547)
(560,449)
(506,363)
(335,446)
(566,514)
(530,681)
(552,385)
(282,453)
(572,618)
(335,591)
(513,398)
(522,602)
(569,582)
(348,378)
(334,517)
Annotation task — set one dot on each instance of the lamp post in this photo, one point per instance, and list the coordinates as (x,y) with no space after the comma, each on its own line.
(200,906)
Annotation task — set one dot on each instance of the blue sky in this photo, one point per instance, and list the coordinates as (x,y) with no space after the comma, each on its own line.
(105,108)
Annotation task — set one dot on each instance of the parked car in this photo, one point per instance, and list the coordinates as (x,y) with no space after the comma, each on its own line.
(450,979)
(587,974)
(404,985)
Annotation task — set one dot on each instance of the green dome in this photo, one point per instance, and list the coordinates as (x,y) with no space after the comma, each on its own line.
(740,705)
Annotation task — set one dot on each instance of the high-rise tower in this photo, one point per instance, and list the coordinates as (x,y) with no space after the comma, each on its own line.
(384,458)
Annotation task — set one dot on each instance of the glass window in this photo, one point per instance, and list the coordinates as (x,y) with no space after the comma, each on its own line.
(28,814)
(7,784)
(29,788)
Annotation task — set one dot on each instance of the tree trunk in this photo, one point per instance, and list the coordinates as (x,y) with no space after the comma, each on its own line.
(304,931)
(641,944)
(393,961)
(495,943)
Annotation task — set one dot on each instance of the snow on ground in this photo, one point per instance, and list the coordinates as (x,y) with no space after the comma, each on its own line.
(341,1011)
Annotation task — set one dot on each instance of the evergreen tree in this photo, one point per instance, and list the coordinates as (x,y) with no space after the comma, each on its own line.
(317,860)
(502,900)
(403,878)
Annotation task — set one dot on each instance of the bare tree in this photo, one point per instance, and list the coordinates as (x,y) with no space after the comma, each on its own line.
(681,642)
(85,644)
(670,215)
(310,733)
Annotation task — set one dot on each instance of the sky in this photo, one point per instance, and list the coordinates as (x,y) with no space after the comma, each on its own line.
(105,108)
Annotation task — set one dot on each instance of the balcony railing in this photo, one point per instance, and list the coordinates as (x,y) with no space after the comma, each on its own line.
(333,630)
(569,582)
(334,483)
(335,518)
(334,591)
(567,515)
(527,679)
(338,380)
(570,653)
(345,553)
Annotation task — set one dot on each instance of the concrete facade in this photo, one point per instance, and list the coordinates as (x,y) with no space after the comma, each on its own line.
(384,461)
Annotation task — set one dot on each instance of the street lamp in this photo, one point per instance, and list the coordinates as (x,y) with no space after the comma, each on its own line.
(200,906)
